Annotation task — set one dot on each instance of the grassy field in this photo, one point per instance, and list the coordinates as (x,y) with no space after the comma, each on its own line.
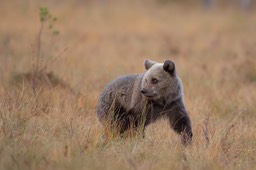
(57,128)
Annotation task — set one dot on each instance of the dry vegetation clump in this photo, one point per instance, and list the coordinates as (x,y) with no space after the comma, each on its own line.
(49,127)
(40,79)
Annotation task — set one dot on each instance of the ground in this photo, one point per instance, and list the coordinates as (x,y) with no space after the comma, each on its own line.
(57,128)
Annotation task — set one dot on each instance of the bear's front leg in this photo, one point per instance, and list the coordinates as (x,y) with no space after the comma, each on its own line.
(181,124)
(133,127)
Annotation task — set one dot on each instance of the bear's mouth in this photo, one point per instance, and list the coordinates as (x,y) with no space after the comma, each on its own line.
(149,96)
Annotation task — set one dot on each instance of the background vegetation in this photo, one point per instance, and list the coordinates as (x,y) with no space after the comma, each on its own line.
(53,124)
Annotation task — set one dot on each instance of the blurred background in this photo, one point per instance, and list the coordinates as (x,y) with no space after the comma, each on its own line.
(211,41)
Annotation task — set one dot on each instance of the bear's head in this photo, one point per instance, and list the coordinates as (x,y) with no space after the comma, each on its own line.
(160,83)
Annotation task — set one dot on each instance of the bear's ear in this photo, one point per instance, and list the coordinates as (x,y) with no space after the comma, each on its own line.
(148,64)
(169,66)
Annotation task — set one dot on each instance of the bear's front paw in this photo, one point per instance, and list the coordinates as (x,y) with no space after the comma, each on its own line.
(186,138)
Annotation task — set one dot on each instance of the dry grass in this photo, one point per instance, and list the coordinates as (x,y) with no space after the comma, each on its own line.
(54,129)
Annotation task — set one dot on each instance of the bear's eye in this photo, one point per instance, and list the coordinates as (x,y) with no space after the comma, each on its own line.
(154,80)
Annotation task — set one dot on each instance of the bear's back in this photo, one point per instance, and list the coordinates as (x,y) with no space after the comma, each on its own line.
(119,90)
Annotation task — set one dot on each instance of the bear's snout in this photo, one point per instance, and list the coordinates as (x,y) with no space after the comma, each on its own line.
(143,91)
(147,93)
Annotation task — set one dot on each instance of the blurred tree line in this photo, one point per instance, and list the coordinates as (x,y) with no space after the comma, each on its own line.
(243,4)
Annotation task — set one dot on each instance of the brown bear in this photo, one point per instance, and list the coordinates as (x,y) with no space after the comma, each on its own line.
(132,102)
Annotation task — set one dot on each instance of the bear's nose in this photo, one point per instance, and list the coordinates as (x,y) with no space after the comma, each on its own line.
(143,91)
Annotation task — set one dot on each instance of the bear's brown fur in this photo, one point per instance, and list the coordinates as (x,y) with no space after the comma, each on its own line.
(134,101)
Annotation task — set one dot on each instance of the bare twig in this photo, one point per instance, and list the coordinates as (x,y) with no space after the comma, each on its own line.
(205,127)
(53,60)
